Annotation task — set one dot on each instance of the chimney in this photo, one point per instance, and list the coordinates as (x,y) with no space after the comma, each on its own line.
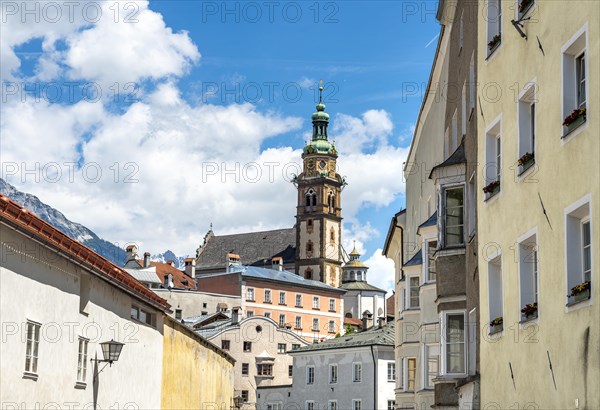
(235,315)
(233,261)
(131,252)
(190,267)
(171,262)
(380,322)
(146,259)
(277,263)
(366,319)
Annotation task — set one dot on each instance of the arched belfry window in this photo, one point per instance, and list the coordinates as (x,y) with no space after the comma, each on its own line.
(311,197)
(331,201)
(308,273)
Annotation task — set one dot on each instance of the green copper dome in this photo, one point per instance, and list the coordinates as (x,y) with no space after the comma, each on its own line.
(320,146)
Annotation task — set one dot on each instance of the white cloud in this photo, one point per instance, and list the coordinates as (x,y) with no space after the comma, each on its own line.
(381,271)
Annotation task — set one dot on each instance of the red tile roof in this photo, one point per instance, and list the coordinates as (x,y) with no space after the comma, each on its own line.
(352,321)
(163,269)
(14,214)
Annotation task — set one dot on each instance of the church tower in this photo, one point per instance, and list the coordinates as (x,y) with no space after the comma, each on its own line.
(319,210)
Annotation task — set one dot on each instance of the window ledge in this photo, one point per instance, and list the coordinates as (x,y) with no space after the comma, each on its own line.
(298,306)
(574,130)
(30,376)
(316,308)
(491,196)
(268,302)
(80,385)
(250,300)
(526,169)
(492,51)
(579,302)
(283,304)
(525,321)
(332,311)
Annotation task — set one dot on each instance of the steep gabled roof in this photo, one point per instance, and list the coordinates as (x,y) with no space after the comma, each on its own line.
(253,247)
(180,279)
(382,336)
(361,286)
(14,215)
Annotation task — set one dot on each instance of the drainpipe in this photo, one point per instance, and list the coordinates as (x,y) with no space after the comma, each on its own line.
(375,381)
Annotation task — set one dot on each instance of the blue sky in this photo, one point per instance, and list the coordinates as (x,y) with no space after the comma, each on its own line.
(233,82)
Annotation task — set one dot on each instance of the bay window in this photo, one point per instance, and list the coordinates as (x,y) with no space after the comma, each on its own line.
(453,216)
(453,343)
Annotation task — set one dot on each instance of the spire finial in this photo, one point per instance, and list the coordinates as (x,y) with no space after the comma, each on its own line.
(211,226)
(320,91)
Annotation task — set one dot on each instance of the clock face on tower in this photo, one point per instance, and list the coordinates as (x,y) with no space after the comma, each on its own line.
(322,164)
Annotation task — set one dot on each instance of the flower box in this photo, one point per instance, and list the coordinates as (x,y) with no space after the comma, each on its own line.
(524,6)
(575,119)
(530,311)
(580,292)
(526,161)
(494,43)
(496,325)
(492,188)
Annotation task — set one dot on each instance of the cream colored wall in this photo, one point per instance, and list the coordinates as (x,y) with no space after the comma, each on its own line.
(566,170)
(196,374)
(313,236)
(332,250)
(192,303)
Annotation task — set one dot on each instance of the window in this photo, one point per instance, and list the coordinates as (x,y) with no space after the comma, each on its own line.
(267,296)
(523,6)
(281,320)
(578,231)
(298,300)
(310,405)
(82,360)
(282,298)
(332,232)
(414,292)
(391,372)
(430,360)
(528,277)
(332,305)
(33,342)
(316,302)
(250,313)
(290,370)
(298,323)
(495,292)
(332,405)
(268,314)
(453,332)
(493,160)
(453,216)
(333,373)
(295,346)
(455,140)
(400,383)
(225,344)
(430,248)
(308,273)
(391,405)
(472,84)
(411,373)
(245,396)
(247,346)
(204,305)
(142,315)
(527,128)
(281,347)
(250,294)
(356,404)
(264,369)
(245,369)
(462,31)
(178,313)
(315,325)
(494,24)
(357,372)
(574,84)
(274,406)
(310,375)
(331,327)
(472,325)
(309,249)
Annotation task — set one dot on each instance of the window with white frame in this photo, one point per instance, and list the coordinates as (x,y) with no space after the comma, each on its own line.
(281,347)
(267,296)
(494,24)
(333,373)
(523,7)
(411,373)
(493,160)
(282,298)
(495,301)
(402,365)
(268,314)
(250,294)
(281,320)
(402,299)
(472,85)
(250,313)
(414,292)
(331,326)
(356,404)
(82,360)
(430,365)
(472,205)
(574,84)
(275,406)
(310,375)
(430,270)
(32,346)
(527,128)
(332,305)
(391,405)
(391,372)
(463,110)
(528,277)
(315,325)
(578,231)
(472,325)
(310,405)
(298,300)
(298,324)
(332,405)
(316,302)
(453,215)
(453,342)
(356,372)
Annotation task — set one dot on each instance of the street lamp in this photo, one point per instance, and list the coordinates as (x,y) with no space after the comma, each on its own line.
(111,352)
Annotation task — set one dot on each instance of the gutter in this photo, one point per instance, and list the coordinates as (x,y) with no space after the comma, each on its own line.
(375,381)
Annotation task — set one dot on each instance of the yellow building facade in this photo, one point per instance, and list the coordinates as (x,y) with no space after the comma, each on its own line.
(538,206)
(196,373)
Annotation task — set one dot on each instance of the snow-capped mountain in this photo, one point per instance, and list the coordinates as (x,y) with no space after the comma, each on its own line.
(75,230)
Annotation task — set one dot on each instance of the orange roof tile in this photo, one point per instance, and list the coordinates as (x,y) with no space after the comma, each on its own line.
(25,221)
(163,269)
